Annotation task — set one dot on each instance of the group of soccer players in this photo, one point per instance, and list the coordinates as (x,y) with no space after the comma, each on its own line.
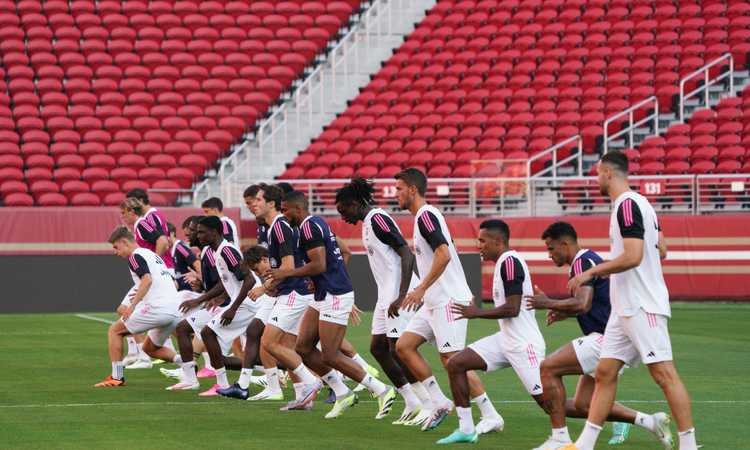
(284,306)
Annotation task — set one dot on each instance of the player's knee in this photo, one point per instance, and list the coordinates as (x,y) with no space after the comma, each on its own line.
(664,374)
(455,366)
(183,329)
(547,370)
(149,347)
(606,374)
(207,334)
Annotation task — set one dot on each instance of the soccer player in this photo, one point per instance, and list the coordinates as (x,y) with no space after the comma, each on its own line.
(443,284)
(153,308)
(327,317)
(215,207)
(392,265)
(183,257)
(591,308)
(155,219)
(519,343)
(637,328)
(234,318)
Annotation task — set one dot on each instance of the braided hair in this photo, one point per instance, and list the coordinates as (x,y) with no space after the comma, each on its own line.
(358,190)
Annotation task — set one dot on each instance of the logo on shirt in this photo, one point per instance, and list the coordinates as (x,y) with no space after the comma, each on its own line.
(371,251)
(274,263)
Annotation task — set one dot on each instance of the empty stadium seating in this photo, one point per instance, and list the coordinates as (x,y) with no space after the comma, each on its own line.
(141,90)
(493,79)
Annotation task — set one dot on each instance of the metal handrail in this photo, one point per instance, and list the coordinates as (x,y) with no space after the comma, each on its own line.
(555,163)
(632,125)
(707,82)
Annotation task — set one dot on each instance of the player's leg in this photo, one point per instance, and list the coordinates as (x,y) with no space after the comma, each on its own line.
(665,375)
(458,366)
(188,376)
(117,331)
(601,402)
(380,348)
(347,348)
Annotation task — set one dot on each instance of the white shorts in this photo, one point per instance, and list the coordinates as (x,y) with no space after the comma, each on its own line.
(228,333)
(588,350)
(126,301)
(287,311)
(392,327)
(266,306)
(439,325)
(335,308)
(643,337)
(524,363)
(160,322)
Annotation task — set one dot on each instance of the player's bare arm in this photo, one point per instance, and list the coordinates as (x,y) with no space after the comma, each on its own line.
(227,316)
(407,267)
(662,246)
(215,291)
(511,308)
(580,303)
(440,261)
(631,257)
(346,252)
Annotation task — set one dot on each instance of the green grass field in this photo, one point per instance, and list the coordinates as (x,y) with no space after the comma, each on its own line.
(50,362)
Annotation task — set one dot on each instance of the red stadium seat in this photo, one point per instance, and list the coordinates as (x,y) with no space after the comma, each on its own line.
(18,199)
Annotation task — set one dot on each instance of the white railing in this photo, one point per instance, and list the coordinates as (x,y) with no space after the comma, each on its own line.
(707,82)
(556,161)
(730,193)
(632,122)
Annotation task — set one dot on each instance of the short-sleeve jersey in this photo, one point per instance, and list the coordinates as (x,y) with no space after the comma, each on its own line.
(315,232)
(595,320)
(642,286)
(430,232)
(512,277)
(381,238)
(148,229)
(283,240)
(229,267)
(184,258)
(162,292)
(208,269)
(229,230)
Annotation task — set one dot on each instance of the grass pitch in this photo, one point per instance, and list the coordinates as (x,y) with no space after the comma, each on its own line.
(50,362)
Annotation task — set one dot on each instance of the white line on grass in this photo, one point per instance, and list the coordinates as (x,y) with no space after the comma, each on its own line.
(97,319)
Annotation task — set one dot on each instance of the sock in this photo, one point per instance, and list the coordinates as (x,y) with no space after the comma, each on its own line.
(168,344)
(304,374)
(221,378)
(141,353)
(644,420)
(361,361)
(561,434)
(177,359)
(436,394)
(117,368)
(485,406)
(375,386)
(410,398)
(334,380)
(422,394)
(687,439)
(272,377)
(206,361)
(188,372)
(298,390)
(132,346)
(587,439)
(244,380)
(465,421)
(259,369)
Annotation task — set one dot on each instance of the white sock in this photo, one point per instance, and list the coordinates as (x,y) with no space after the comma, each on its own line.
(259,369)
(168,344)
(272,377)
(117,369)
(645,420)
(244,380)
(132,346)
(221,378)
(298,390)
(304,374)
(485,406)
(588,437)
(206,361)
(436,394)
(409,397)
(422,394)
(561,434)
(465,421)
(177,359)
(361,361)
(188,372)
(334,380)
(687,440)
(141,353)
(374,385)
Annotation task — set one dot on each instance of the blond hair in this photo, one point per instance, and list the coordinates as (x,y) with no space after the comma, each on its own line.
(121,232)
(132,204)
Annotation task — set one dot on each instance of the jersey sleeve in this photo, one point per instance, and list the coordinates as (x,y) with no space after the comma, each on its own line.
(284,237)
(311,236)
(183,252)
(208,271)
(234,262)
(149,232)
(630,219)
(579,266)
(386,231)
(512,276)
(138,265)
(430,229)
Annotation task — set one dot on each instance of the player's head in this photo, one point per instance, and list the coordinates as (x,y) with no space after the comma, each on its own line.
(210,231)
(561,240)
(256,258)
(354,200)
(172,230)
(613,167)
(251,197)
(269,202)
(123,242)
(190,228)
(285,187)
(212,206)
(493,240)
(295,207)
(130,210)
(139,194)
(411,184)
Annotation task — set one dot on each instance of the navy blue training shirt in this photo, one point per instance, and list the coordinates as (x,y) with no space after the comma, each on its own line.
(595,320)
(283,240)
(314,233)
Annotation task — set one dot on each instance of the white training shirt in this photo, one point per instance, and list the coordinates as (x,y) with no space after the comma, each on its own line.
(162,292)
(642,286)
(431,231)
(230,231)
(381,237)
(228,265)
(512,278)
